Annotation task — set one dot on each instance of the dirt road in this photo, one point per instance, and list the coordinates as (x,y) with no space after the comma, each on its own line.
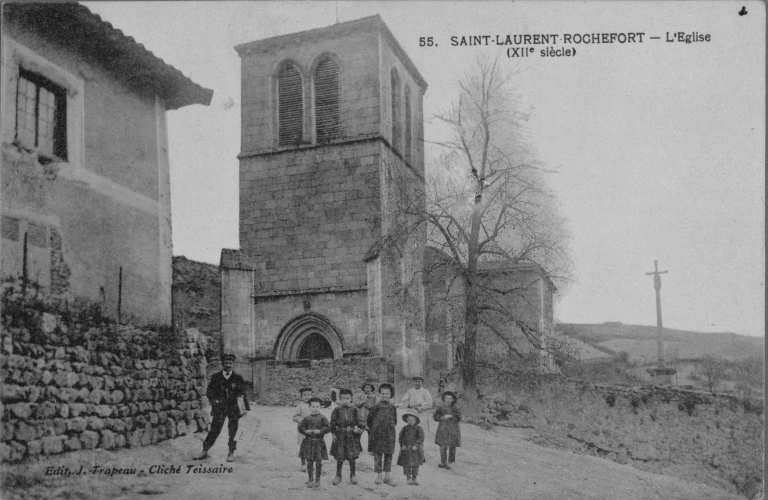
(496,464)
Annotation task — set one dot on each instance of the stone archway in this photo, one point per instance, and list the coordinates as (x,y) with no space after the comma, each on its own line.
(315,347)
(306,335)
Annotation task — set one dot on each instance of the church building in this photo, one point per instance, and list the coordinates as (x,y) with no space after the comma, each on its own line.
(332,128)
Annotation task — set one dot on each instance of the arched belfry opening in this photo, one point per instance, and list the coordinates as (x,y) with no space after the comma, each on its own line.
(309,336)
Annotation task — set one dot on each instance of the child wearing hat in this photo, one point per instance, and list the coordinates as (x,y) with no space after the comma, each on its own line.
(346,426)
(302,410)
(411,441)
(419,399)
(314,426)
(448,435)
(381,433)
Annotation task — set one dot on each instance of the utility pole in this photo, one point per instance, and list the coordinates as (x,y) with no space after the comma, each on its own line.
(659,326)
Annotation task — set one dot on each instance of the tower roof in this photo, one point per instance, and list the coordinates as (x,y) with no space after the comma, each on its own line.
(370,23)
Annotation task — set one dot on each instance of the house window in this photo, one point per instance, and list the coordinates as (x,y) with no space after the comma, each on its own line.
(408,139)
(327,117)
(290,106)
(41,115)
(396,129)
(10,228)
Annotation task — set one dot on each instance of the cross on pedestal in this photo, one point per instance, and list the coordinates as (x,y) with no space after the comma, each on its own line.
(657,285)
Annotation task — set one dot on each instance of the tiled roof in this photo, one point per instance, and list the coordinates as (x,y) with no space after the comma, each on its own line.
(80,29)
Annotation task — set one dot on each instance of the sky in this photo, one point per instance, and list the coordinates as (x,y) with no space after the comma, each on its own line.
(659,146)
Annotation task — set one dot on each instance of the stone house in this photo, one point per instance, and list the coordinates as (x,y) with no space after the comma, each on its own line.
(330,118)
(85,175)
(529,297)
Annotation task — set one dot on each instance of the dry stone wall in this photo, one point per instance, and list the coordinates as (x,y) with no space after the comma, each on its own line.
(285,379)
(68,387)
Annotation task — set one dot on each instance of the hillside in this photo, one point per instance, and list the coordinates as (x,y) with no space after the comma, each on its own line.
(196,301)
(710,361)
(640,341)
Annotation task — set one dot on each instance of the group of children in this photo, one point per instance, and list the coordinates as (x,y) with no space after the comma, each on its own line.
(377,415)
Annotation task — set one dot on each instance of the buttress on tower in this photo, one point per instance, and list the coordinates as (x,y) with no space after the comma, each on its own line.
(331,149)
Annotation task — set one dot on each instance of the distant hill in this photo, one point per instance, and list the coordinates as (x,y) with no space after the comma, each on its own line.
(640,342)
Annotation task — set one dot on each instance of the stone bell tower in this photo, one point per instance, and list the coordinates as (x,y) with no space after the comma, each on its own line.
(332,131)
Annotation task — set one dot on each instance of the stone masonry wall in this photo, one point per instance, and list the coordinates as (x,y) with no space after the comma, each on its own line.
(69,385)
(709,438)
(346,311)
(306,218)
(285,379)
(357,54)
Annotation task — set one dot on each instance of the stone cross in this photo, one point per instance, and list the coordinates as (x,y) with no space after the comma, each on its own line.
(657,285)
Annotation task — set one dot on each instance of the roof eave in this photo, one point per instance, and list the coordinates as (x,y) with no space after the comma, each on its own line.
(121,54)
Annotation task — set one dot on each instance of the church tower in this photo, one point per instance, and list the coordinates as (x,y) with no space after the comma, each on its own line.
(332,131)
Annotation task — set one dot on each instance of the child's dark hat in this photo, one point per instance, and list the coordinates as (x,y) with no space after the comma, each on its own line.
(447,393)
(411,413)
(368,384)
(305,389)
(390,387)
(417,378)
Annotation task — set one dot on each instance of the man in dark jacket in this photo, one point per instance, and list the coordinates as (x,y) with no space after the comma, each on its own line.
(223,390)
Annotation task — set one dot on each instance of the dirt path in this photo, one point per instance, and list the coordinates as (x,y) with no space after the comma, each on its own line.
(497,464)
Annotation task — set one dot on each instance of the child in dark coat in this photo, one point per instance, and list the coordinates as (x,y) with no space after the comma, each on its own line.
(411,441)
(314,426)
(365,402)
(448,435)
(346,426)
(302,410)
(381,438)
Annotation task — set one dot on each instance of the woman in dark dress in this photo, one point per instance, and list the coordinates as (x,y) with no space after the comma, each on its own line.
(313,450)
(346,426)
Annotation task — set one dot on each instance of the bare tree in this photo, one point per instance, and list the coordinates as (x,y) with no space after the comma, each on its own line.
(488,209)
(749,375)
(711,371)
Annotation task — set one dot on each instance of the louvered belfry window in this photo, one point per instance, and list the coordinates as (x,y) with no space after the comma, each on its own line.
(396,127)
(290,106)
(327,116)
(408,138)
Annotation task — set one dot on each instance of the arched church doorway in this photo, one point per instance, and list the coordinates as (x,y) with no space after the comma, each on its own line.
(315,347)
(309,336)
